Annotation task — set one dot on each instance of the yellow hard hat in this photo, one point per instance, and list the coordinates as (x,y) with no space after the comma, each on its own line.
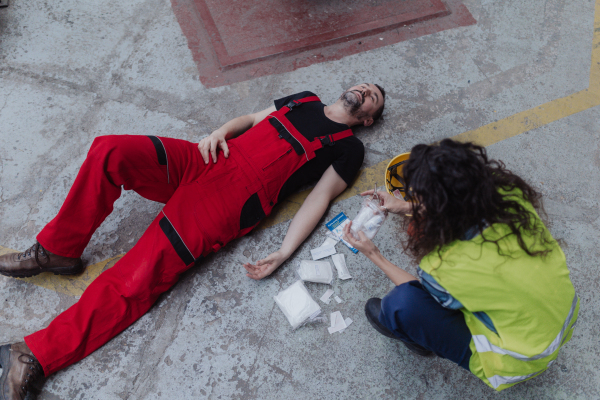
(394,179)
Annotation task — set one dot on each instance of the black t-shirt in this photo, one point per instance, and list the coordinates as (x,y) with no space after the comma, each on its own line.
(346,155)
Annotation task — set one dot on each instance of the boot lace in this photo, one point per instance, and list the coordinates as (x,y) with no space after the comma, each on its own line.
(36,249)
(34,372)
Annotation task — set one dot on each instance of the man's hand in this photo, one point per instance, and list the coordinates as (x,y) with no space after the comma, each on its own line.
(210,145)
(391,203)
(362,244)
(266,266)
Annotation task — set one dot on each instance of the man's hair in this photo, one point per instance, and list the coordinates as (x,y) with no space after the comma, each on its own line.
(378,113)
(455,188)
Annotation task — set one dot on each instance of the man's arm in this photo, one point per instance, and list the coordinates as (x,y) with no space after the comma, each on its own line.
(306,219)
(234,128)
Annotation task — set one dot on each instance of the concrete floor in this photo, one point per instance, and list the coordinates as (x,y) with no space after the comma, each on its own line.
(72,70)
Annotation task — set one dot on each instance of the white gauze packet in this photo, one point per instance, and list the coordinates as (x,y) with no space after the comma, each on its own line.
(340,265)
(316,271)
(297,304)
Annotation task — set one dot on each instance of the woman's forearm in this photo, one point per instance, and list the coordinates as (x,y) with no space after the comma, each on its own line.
(396,274)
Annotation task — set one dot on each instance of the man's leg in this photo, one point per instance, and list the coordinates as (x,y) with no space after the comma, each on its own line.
(112,302)
(414,316)
(153,167)
(140,163)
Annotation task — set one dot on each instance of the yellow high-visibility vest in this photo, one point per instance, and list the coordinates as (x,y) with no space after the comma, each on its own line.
(530,300)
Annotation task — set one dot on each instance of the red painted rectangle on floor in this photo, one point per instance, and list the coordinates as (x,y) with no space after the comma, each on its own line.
(235,40)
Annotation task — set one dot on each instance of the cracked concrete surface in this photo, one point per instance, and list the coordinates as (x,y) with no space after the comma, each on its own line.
(71,71)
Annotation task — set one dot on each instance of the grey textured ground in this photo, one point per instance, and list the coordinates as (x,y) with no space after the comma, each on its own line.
(72,70)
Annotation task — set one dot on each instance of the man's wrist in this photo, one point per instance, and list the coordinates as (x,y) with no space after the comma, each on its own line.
(219,133)
(285,253)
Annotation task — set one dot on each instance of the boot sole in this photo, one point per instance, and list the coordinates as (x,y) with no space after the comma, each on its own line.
(73,270)
(4,363)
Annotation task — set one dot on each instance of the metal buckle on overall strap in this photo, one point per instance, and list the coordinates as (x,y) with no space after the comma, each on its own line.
(293,103)
(327,141)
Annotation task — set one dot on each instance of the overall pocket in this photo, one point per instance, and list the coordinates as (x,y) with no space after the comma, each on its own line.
(252,212)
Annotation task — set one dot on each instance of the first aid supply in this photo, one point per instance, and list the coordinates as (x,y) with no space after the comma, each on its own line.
(369,219)
(326,298)
(336,226)
(338,323)
(322,252)
(316,271)
(339,260)
(297,304)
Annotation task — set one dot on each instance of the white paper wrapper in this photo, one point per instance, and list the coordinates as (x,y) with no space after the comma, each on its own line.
(316,271)
(322,252)
(339,261)
(297,304)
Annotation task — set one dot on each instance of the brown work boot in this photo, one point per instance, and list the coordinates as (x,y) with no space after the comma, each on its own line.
(35,260)
(20,370)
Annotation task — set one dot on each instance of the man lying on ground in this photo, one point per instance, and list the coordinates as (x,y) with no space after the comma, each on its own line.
(209,201)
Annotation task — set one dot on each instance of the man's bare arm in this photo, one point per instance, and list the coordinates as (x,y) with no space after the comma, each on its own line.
(306,219)
(210,145)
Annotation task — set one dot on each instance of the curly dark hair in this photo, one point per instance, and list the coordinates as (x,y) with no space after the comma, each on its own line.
(455,188)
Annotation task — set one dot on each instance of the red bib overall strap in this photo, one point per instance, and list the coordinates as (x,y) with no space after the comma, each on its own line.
(308,147)
(329,140)
(295,103)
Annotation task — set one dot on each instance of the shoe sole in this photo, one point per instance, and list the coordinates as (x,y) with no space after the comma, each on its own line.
(4,363)
(73,270)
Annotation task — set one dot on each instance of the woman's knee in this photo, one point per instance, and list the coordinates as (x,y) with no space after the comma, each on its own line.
(405,302)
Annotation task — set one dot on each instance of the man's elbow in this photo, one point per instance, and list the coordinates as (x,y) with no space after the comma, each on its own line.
(329,194)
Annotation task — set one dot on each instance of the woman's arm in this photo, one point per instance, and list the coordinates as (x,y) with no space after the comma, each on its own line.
(368,248)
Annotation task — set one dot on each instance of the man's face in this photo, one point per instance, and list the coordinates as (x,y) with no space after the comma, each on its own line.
(362,101)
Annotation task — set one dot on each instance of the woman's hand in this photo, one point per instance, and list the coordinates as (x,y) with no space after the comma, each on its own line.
(391,203)
(362,244)
(210,145)
(266,266)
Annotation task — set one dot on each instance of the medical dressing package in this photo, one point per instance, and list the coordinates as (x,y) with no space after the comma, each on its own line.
(316,271)
(369,219)
(297,304)
(336,226)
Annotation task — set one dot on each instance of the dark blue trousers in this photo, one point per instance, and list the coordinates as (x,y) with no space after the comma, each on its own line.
(413,315)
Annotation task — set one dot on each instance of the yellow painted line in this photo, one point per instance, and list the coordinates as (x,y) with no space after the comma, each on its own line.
(484,136)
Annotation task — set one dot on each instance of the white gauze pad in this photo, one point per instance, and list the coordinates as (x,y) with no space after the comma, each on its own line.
(297,304)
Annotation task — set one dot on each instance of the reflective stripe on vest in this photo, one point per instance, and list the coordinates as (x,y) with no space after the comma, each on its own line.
(483,344)
(498,380)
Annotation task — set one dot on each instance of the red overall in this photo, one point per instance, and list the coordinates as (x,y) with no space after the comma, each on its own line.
(206,207)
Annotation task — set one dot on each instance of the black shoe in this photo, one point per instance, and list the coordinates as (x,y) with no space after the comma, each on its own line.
(372,310)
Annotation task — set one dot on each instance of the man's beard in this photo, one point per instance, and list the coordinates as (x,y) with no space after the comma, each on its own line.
(352,102)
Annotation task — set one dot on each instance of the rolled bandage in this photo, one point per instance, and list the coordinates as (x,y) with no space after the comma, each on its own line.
(369,219)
